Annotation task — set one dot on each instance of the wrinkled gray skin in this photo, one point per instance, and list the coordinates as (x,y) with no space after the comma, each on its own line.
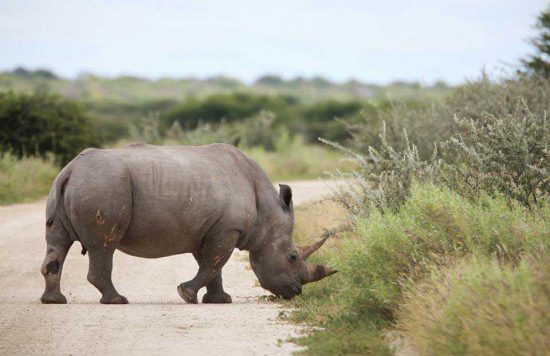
(152,201)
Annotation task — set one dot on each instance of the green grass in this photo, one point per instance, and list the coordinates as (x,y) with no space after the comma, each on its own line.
(345,341)
(25,179)
(388,254)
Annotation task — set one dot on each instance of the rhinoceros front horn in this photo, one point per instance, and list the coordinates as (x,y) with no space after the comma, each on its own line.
(306,251)
(317,272)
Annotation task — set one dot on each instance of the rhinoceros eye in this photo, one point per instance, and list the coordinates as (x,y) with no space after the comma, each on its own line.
(293,256)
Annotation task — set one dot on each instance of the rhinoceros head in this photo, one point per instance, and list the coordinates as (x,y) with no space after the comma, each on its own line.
(281,266)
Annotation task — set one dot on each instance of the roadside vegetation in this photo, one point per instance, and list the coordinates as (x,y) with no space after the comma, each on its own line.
(391,269)
(445,240)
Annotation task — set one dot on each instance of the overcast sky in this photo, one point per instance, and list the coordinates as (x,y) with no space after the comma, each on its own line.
(374,41)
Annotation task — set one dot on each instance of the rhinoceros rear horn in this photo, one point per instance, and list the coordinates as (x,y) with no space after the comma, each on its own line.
(306,251)
(317,272)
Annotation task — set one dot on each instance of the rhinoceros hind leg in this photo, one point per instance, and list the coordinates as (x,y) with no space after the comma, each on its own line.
(99,274)
(58,245)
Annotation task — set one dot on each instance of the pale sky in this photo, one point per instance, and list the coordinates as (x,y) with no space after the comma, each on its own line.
(373,41)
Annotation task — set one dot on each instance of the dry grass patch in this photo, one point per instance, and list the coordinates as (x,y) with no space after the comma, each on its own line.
(314,219)
(25,179)
(481,307)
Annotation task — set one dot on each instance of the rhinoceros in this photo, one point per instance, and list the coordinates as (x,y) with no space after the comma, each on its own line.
(156,201)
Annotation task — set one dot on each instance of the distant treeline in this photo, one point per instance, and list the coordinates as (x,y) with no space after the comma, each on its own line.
(130,89)
(61,116)
(41,118)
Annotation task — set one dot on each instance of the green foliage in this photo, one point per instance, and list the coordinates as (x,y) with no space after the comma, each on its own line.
(39,73)
(25,179)
(433,227)
(389,253)
(539,63)
(312,121)
(324,119)
(475,190)
(480,307)
(345,341)
(41,124)
(227,107)
(305,106)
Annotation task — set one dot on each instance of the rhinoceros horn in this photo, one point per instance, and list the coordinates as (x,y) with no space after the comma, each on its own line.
(317,272)
(306,251)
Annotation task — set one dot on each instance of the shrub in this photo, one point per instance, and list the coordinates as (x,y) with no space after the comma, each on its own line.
(429,122)
(383,177)
(41,124)
(509,154)
(496,143)
(425,123)
(480,307)
(475,99)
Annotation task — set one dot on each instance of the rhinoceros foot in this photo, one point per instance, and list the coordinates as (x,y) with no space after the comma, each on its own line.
(53,297)
(117,299)
(216,298)
(187,294)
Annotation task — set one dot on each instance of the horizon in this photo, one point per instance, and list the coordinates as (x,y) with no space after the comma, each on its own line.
(213,77)
(371,43)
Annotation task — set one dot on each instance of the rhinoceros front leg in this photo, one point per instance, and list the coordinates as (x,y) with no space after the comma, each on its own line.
(99,274)
(215,252)
(214,289)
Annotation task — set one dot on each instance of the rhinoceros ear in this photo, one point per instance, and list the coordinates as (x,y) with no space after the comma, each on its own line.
(285,193)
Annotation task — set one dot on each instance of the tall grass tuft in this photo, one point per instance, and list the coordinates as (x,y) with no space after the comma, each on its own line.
(480,307)
(25,179)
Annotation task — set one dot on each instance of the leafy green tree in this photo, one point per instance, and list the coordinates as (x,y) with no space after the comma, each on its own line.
(539,63)
(40,124)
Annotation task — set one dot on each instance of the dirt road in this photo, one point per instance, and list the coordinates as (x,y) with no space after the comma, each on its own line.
(156,321)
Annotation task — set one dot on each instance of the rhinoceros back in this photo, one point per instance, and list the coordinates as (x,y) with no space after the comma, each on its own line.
(154,201)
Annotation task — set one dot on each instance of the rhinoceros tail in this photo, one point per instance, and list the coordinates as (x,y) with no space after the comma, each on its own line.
(56,193)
